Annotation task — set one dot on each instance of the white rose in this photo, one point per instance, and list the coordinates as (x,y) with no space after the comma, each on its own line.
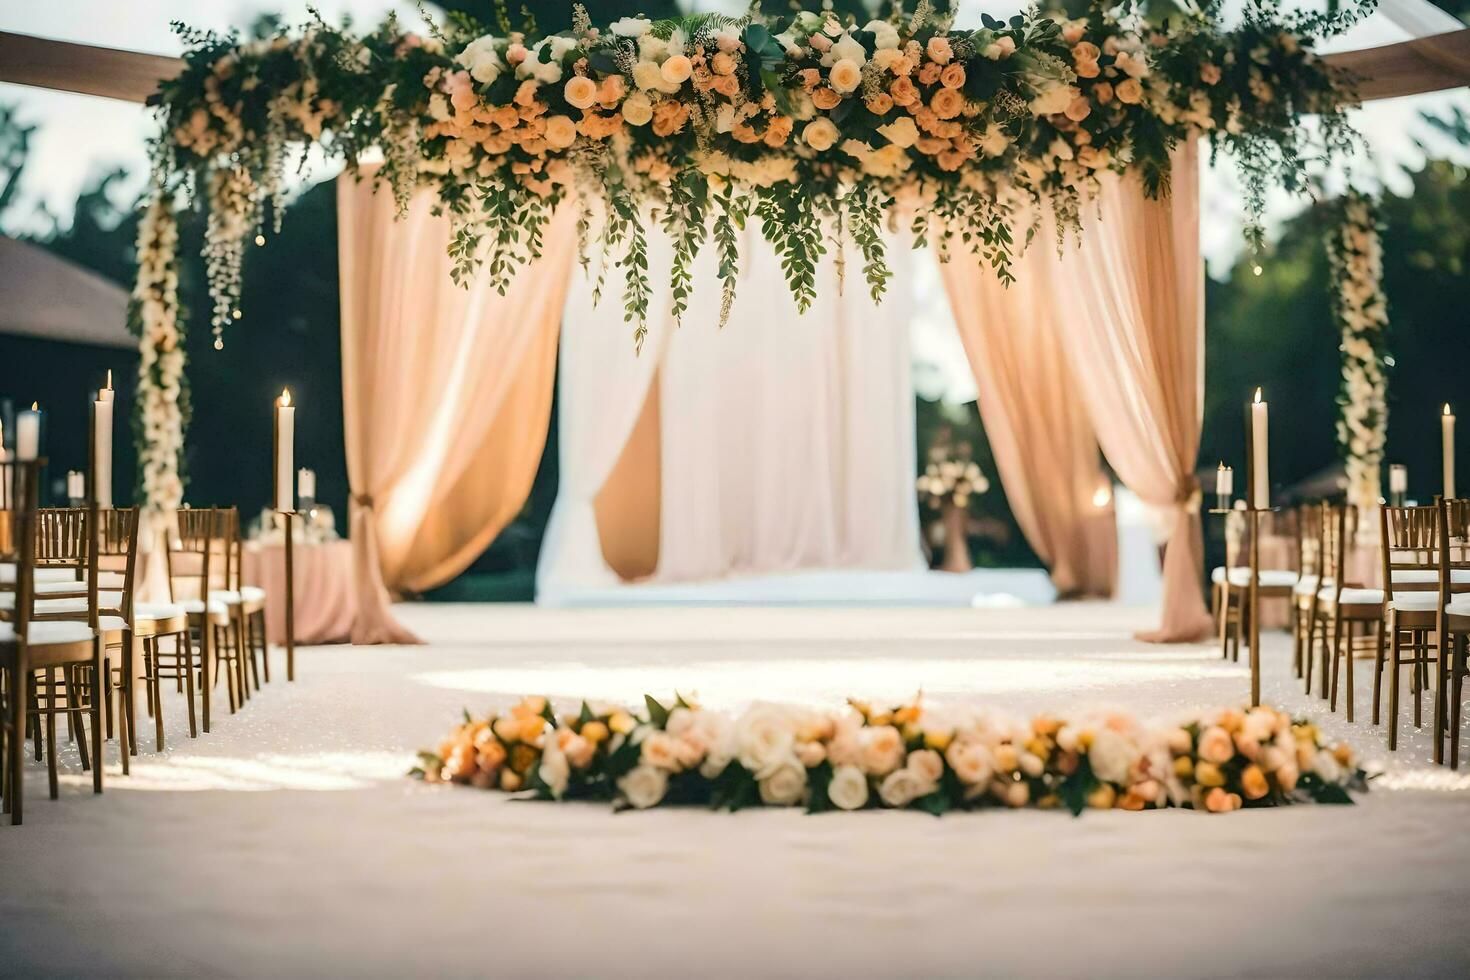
(482,60)
(848,48)
(631,26)
(885,35)
(1112,756)
(644,786)
(1326,766)
(764,737)
(902,787)
(652,48)
(1054,99)
(554,771)
(784,784)
(848,789)
(637,110)
(647,75)
(927,764)
(845,76)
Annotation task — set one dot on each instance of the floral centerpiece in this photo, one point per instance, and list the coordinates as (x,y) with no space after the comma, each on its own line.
(914,756)
(947,485)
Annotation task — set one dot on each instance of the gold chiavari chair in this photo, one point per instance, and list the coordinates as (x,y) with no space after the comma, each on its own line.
(1409,538)
(246,603)
(30,647)
(250,601)
(1232,587)
(1310,579)
(1454,603)
(1341,605)
(197,556)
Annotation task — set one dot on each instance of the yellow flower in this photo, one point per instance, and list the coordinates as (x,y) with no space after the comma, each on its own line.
(938,741)
(594,731)
(1253,782)
(1184,767)
(621,722)
(1209,774)
(1103,797)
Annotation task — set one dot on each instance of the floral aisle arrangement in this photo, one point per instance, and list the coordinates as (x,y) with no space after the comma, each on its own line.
(1355,259)
(812,128)
(916,756)
(951,479)
(163,395)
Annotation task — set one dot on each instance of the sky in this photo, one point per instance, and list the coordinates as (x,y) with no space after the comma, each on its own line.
(81,137)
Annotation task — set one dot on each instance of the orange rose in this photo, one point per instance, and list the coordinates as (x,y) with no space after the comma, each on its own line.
(932,145)
(612,91)
(1087,69)
(1079,110)
(722,64)
(903,91)
(726,85)
(1253,782)
(929,74)
(880,104)
(947,103)
(810,77)
(1085,51)
(1103,92)
(506,117)
(950,160)
(1129,91)
(825,98)
(953,76)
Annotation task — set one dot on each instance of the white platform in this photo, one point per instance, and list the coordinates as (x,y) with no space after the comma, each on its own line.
(995,588)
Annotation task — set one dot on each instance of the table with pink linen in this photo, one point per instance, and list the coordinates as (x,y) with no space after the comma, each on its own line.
(325,604)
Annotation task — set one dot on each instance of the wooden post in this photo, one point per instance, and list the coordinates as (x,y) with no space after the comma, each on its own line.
(290,601)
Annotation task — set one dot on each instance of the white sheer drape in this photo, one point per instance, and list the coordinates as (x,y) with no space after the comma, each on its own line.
(601,386)
(788,439)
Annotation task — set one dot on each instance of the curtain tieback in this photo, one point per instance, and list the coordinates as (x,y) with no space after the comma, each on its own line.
(364,500)
(1190,495)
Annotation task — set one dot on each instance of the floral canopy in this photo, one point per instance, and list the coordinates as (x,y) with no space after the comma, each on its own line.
(812,128)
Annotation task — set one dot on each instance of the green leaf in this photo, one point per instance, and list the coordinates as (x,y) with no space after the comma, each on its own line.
(657,713)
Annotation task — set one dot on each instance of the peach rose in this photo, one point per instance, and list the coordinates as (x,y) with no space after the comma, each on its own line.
(904,92)
(820,42)
(1209,73)
(820,134)
(506,117)
(810,78)
(825,98)
(1103,92)
(726,85)
(612,91)
(929,74)
(880,104)
(1079,109)
(580,91)
(953,76)
(676,70)
(1219,801)
(637,110)
(947,103)
(939,50)
(845,76)
(1216,745)
(1087,69)
(722,64)
(1130,91)
(881,746)
(1085,51)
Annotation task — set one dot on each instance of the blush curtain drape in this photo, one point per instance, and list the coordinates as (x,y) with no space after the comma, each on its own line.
(446,395)
(1134,330)
(1035,417)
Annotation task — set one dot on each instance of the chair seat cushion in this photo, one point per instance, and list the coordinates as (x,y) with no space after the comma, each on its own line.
(63,607)
(157,611)
(1459,606)
(1428,576)
(7,574)
(1354,597)
(45,633)
(1271,578)
(195,607)
(249,593)
(1311,584)
(1415,601)
(61,587)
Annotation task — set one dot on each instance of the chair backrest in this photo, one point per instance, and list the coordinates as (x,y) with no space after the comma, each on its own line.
(1409,539)
(1334,543)
(117,551)
(8,476)
(199,552)
(1454,546)
(61,537)
(1309,539)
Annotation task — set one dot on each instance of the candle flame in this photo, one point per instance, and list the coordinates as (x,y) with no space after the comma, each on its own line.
(1222,466)
(1258,396)
(108,386)
(285,397)
(35,406)
(1447,408)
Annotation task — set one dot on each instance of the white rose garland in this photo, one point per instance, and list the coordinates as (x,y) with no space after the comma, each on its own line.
(162,398)
(1355,260)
